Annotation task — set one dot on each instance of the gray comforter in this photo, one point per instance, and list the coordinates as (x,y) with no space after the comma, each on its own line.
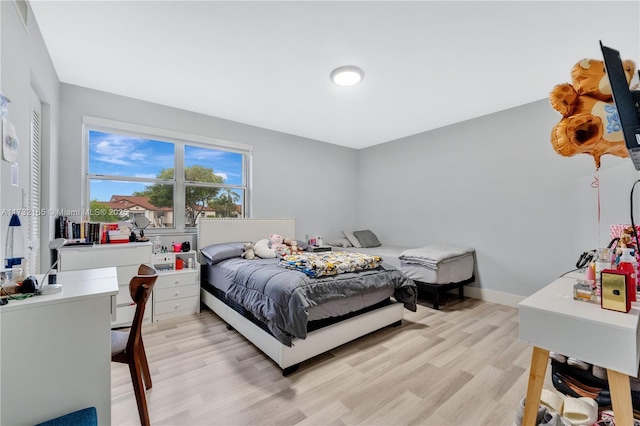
(280,297)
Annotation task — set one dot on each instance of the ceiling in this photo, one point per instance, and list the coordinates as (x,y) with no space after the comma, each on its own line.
(427,64)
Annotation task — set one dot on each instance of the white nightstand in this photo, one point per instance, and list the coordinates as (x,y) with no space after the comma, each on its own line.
(177,291)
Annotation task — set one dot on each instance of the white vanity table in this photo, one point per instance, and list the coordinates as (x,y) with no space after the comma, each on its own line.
(55,350)
(552,321)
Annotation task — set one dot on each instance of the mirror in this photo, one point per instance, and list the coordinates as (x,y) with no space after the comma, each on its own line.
(141,222)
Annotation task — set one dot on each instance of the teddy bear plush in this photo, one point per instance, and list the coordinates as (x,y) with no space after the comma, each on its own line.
(293,246)
(277,243)
(248,252)
(590,123)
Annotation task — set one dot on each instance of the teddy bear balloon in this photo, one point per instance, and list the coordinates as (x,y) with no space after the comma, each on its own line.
(590,123)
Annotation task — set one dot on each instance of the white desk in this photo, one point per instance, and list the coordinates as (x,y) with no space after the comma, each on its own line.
(55,350)
(552,321)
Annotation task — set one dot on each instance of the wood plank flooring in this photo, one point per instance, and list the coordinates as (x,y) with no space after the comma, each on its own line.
(462,365)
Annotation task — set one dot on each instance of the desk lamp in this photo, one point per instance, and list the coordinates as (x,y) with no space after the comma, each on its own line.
(14,247)
(30,284)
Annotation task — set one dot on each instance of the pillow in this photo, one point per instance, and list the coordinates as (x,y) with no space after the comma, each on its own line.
(302,245)
(218,252)
(367,238)
(340,242)
(263,251)
(352,239)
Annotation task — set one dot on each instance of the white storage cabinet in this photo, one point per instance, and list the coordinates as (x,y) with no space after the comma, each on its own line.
(177,291)
(126,258)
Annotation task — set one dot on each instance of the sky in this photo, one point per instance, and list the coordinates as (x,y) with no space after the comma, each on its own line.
(122,155)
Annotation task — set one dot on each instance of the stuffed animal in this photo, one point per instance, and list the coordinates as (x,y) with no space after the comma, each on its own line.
(248,252)
(294,248)
(262,249)
(276,242)
(276,239)
(590,123)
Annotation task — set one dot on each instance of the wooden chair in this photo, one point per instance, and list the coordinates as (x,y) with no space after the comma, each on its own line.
(127,346)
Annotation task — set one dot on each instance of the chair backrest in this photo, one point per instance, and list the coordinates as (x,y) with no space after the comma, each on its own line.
(140,288)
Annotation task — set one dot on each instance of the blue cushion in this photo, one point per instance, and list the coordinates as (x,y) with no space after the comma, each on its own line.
(84,417)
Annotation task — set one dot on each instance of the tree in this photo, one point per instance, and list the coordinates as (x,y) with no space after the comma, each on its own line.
(100,212)
(196,197)
(226,203)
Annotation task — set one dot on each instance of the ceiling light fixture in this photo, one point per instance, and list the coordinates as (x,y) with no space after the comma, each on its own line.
(347,75)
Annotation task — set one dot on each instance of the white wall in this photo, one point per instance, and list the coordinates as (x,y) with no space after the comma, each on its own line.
(495,183)
(26,67)
(293,177)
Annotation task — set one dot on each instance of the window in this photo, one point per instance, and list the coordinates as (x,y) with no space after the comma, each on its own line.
(173,179)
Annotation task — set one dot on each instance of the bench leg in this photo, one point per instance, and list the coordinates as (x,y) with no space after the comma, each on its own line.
(436,299)
(461,292)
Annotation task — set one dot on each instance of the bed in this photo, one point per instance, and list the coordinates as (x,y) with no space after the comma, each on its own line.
(329,321)
(450,271)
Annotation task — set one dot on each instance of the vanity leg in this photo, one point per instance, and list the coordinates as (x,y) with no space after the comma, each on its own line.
(539,361)
(620,397)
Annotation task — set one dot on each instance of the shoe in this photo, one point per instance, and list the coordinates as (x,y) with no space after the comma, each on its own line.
(574,389)
(554,419)
(571,411)
(599,372)
(606,419)
(580,411)
(542,410)
(558,357)
(577,363)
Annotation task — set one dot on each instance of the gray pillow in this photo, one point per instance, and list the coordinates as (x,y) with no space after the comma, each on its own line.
(367,238)
(218,252)
(352,238)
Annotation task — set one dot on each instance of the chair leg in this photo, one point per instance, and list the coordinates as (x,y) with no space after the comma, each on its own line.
(146,374)
(138,389)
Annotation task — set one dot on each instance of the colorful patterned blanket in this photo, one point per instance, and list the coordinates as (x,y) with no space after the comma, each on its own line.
(329,263)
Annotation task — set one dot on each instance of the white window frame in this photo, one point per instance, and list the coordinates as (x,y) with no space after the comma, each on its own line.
(180,140)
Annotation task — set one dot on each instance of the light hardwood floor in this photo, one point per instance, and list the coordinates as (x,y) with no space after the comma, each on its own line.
(462,365)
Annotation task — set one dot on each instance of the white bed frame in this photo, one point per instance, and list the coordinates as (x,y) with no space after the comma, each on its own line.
(213,231)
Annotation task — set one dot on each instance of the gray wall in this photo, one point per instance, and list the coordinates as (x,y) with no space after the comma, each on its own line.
(495,183)
(27,67)
(293,177)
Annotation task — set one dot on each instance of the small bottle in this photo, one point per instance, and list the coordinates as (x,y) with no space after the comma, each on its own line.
(157,245)
(603,261)
(628,264)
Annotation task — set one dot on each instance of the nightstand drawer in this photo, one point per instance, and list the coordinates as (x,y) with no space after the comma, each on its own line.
(189,304)
(175,279)
(178,292)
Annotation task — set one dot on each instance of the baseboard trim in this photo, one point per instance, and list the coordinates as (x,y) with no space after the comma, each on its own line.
(493,296)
